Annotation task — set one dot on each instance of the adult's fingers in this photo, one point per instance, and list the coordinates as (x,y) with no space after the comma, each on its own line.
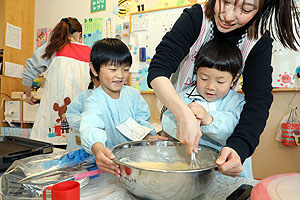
(229,162)
(223,156)
(197,142)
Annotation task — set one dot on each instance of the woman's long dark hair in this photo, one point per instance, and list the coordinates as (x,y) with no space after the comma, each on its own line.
(283,12)
(60,35)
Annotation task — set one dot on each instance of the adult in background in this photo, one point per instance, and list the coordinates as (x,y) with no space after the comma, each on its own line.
(65,63)
(245,23)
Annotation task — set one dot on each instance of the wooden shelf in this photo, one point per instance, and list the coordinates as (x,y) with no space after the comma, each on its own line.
(286,90)
(279,90)
(147,92)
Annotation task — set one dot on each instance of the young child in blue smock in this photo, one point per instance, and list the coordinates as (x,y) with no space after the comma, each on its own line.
(216,106)
(74,112)
(111,104)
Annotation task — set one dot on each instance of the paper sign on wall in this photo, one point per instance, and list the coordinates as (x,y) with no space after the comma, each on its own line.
(13,70)
(13,36)
(97,5)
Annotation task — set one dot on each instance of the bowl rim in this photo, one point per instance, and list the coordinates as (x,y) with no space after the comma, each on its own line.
(164,171)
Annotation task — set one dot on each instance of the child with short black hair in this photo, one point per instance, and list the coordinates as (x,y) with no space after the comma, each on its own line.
(111,104)
(216,106)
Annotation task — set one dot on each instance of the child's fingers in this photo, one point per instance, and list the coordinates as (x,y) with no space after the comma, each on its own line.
(113,167)
(110,169)
(157,137)
(162,138)
(108,153)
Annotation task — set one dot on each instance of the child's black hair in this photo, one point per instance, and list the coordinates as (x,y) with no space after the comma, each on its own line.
(91,84)
(110,51)
(221,55)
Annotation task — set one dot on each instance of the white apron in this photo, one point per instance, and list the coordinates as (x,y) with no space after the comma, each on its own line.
(67,75)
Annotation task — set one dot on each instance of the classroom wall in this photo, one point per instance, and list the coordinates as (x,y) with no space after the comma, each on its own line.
(49,13)
(271,157)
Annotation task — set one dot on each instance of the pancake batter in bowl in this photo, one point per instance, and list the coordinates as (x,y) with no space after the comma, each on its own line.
(160,165)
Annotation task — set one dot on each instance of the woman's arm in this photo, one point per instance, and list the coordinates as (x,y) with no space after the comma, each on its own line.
(188,129)
(34,67)
(174,46)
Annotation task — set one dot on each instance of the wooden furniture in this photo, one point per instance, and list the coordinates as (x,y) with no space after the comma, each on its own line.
(19,13)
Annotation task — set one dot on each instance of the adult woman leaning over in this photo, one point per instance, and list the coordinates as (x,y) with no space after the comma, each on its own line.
(245,23)
(65,62)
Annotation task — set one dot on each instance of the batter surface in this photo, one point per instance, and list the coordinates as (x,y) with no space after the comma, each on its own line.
(161,165)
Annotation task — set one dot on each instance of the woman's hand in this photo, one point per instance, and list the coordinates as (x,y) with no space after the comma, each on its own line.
(155,137)
(104,159)
(200,113)
(29,97)
(229,162)
(188,130)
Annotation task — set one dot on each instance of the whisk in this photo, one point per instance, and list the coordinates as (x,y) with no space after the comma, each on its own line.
(194,162)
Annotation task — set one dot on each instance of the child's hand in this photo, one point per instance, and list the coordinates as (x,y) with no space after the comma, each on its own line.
(104,159)
(155,137)
(200,113)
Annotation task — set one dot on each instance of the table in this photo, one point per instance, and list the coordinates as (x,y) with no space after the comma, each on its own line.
(108,187)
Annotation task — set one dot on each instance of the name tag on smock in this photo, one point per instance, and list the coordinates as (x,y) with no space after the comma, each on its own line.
(132,130)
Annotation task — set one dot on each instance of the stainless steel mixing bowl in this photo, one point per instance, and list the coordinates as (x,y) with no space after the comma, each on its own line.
(164,184)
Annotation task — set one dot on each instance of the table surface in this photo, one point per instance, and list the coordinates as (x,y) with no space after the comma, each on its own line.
(108,187)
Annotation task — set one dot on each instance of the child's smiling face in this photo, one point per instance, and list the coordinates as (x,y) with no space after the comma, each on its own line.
(112,78)
(213,84)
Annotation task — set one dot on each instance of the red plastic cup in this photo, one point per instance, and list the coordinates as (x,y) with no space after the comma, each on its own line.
(68,190)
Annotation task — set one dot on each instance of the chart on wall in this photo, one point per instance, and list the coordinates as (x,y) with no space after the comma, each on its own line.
(92,30)
(147,30)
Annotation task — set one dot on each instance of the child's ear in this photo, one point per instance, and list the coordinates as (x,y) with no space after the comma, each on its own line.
(93,70)
(235,80)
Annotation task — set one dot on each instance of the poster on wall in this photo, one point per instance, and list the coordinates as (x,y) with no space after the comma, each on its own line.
(92,30)
(285,63)
(97,5)
(41,36)
(146,31)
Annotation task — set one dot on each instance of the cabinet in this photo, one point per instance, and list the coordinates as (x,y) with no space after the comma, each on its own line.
(19,13)
(18,111)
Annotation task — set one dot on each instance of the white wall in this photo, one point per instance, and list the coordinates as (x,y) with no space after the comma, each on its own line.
(49,12)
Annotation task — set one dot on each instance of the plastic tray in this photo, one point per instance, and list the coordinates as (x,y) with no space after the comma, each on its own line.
(13,148)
